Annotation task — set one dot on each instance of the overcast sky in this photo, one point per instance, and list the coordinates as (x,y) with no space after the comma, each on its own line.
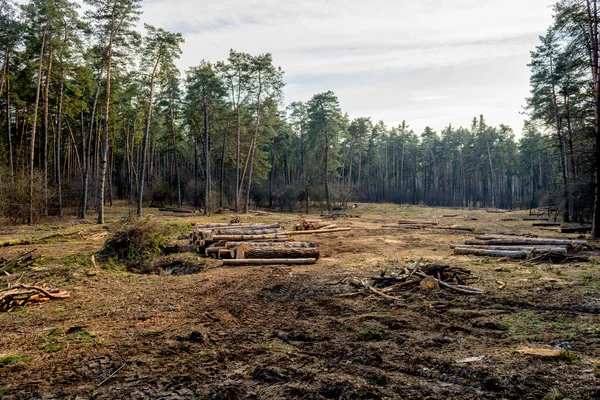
(429,62)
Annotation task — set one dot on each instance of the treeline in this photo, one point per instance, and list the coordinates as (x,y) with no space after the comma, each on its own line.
(93,111)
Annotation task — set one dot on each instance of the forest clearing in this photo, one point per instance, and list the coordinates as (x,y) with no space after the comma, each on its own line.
(303,331)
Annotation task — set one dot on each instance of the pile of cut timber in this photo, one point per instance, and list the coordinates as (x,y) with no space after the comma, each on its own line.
(424,224)
(425,277)
(22,295)
(533,249)
(257,244)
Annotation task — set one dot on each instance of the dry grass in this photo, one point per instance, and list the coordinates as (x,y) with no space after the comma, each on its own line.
(296,332)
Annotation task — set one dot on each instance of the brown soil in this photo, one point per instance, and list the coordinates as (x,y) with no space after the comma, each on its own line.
(302,332)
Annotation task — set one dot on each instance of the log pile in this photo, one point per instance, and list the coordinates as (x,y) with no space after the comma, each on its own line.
(531,249)
(257,244)
(21,261)
(425,224)
(313,224)
(419,277)
(22,295)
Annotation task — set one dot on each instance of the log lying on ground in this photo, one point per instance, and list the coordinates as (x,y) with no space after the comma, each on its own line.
(416,222)
(581,229)
(455,228)
(535,219)
(450,215)
(273,244)
(318,231)
(261,252)
(536,249)
(546,224)
(497,211)
(242,238)
(178,210)
(526,242)
(493,253)
(257,231)
(18,262)
(274,261)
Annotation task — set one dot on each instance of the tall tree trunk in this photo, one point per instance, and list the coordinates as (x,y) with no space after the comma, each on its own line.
(222,184)
(87,152)
(174,137)
(58,146)
(8,130)
(206,159)
(104,150)
(254,143)
(595,49)
(46,100)
(34,127)
(327,172)
(145,141)
(272,176)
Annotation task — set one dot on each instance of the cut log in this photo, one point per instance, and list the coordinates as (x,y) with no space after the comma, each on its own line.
(536,249)
(535,219)
(225,254)
(274,261)
(258,252)
(545,224)
(455,228)
(581,229)
(526,242)
(244,238)
(178,210)
(493,253)
(273,244)
(269,242)
(497,211)
(256,231)
(450,215)
(416,222)
(318,231)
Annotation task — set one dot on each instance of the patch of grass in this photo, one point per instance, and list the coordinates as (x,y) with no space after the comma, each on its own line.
(597,371)
(13,359)
(86,337)
(569,356)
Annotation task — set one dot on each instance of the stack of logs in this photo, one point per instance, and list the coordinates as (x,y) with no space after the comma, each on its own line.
(424,224)
(313,224)
(533,249)
(255,244)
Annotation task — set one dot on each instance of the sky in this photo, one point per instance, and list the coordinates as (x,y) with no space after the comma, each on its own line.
(429,62)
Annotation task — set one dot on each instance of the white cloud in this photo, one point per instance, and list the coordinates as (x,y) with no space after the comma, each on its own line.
(431,62)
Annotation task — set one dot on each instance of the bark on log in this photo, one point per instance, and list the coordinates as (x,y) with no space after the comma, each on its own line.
(273,244)
(225,254)
(256,231)
(416,222)
(497,211)
(318,231)
(535,219)
(455,228)
(536,249)
(545,224)
(526,241)
(274,261)
(493,253)
(243,238)
(257,252)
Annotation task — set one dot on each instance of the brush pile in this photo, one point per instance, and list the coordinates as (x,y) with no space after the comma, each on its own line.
(531,249)
(425,224)
(22,295)
(419,277)
(256,244)
(19,262)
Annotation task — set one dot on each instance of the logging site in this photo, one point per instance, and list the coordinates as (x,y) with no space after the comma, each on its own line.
(227,199)
(371,302)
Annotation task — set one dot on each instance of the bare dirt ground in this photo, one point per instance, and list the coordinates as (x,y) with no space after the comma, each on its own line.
(300,332)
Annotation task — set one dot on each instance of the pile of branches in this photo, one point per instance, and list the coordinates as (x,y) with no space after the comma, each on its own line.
(418,276)
(22,295)
(19,262)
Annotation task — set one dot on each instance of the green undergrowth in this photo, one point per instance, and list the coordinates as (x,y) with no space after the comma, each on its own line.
(137,243)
